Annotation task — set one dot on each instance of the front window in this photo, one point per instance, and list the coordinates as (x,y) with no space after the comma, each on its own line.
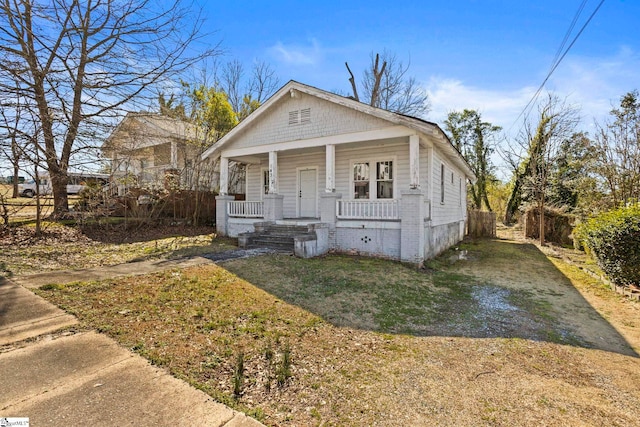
(381,183)
(384,178)
(361,181)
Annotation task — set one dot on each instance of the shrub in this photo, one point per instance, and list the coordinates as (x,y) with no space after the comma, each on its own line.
(613,239)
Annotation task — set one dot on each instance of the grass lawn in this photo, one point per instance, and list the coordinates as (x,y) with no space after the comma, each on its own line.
(500,336)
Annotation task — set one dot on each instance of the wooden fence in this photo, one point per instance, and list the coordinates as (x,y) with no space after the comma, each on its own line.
(481,224)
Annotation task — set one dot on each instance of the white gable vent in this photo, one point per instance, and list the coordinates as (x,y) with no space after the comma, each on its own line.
(305,115)
(294,117)
(300,116)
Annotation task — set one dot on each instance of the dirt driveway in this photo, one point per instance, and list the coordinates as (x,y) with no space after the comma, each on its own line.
(582,309)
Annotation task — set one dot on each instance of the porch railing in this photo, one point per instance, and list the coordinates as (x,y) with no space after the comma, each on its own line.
(368,209)
(245,209)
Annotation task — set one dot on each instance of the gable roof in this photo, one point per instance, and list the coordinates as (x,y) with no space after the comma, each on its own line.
(419,125)
(156,126)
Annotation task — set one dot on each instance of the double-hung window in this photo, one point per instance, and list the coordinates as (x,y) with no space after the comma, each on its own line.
(373,184)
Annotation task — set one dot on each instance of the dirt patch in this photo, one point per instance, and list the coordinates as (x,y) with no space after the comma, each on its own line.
(63,247)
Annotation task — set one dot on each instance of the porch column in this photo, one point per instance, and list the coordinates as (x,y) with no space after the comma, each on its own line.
(222,218)
(273,172)
(330,168)
(174,154)
(224,176)
(414,161)
(412,227)
(328,214)
(273,202)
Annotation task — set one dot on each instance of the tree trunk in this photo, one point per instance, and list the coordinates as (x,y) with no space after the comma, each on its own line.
(60,198)
(16,179)
(541,218)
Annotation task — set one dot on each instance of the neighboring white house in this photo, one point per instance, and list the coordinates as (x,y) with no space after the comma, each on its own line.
(144,147)
(361,178)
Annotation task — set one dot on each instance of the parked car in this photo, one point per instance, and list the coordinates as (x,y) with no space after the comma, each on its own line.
(77,182)
(9,179)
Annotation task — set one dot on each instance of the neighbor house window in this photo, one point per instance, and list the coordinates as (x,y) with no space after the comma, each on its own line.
(442,183)
(381,183)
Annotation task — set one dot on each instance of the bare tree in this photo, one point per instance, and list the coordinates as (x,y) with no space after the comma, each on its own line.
(80,64)
(246,93)
(618,152)
(541,141)
(387,85)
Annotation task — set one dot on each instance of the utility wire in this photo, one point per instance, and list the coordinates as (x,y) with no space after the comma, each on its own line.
(555,64)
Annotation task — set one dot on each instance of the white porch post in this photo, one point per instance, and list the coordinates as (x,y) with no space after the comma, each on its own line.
(330,167)
(414,161)
(273,202)
(224,176)
(273,172)
(174,154)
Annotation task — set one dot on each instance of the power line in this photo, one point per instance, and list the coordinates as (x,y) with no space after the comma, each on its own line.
(557,62)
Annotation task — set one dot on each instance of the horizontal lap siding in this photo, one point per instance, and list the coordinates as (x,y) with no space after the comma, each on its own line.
(327,119)
(453,208)
(288,178)
(254,182)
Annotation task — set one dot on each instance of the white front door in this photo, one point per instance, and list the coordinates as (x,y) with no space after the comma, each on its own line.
(307,193)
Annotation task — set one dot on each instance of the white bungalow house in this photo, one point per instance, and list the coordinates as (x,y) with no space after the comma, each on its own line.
(357,178)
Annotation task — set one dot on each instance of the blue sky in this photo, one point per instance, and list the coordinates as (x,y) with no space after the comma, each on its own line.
(485,55)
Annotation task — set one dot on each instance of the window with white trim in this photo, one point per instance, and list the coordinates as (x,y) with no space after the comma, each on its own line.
(381,182)
(442,183)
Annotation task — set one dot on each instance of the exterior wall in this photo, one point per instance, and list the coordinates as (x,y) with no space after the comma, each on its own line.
(376,238)
(236,226)
(454,207)
(440,238)
(396,150)
(326,119)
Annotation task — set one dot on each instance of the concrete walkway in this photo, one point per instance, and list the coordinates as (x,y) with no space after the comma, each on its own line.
(85,378)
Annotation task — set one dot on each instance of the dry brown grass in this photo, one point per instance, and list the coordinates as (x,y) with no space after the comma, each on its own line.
(377,343)
(69,247)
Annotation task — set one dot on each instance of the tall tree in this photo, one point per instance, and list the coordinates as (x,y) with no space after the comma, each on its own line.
(78,63)
(571,177)
(618,151)
(474,139)
(386,84)
(541,142)
(247,93)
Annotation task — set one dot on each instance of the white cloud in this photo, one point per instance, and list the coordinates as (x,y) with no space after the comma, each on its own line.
(498,107)
(295,55)
(593,84)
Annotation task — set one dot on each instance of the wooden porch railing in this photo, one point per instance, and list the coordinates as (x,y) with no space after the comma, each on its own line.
(368,209)
(245,209)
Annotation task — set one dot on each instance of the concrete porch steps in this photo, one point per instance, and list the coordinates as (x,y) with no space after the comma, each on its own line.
(275,236)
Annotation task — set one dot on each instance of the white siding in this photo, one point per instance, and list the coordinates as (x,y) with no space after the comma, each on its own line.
(451,210)
(326,119)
